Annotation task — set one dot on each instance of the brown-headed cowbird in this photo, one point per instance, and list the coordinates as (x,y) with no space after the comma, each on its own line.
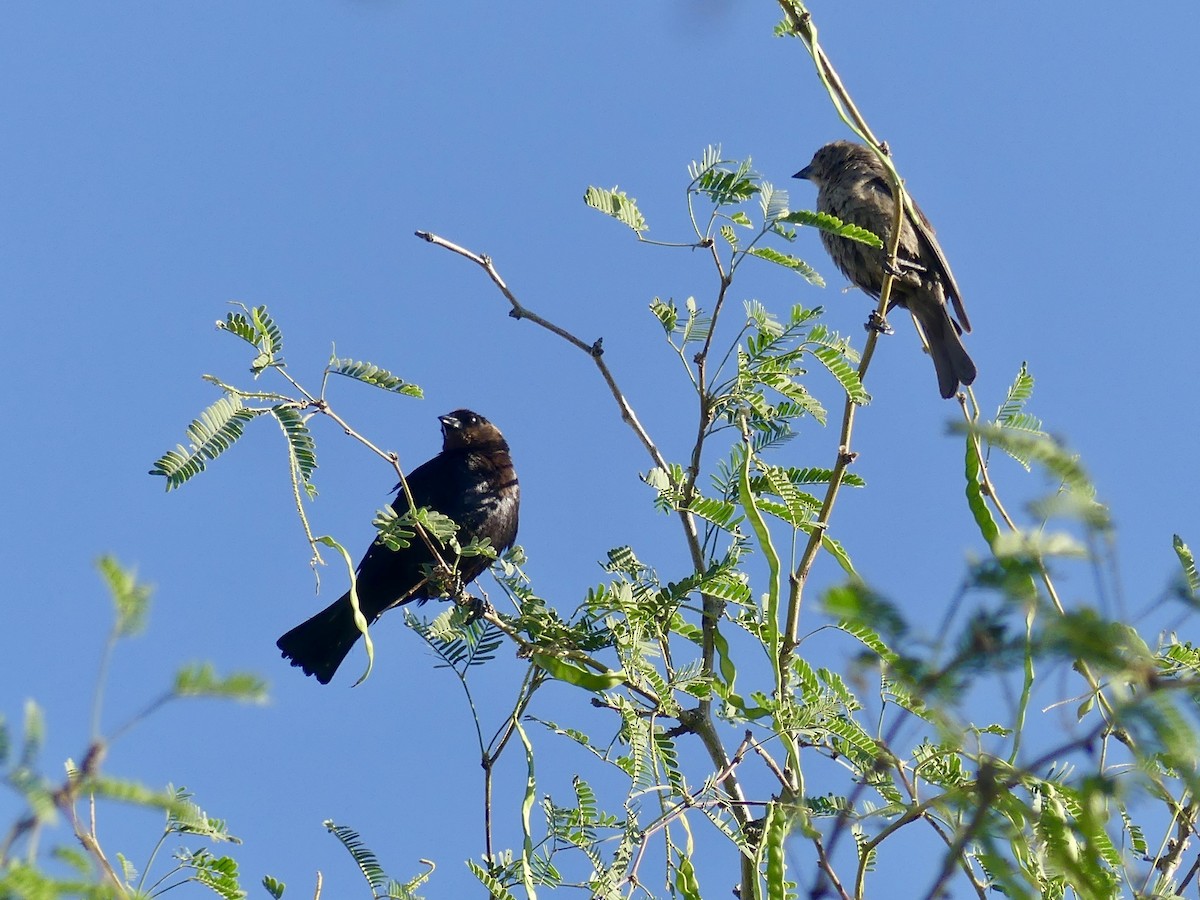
(853,185)
(473,482)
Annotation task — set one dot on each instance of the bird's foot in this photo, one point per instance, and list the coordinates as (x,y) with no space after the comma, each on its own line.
(878,324)
(901,267)
(476,608)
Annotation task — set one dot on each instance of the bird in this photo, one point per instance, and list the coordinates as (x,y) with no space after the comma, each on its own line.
(473,482)
(853,185)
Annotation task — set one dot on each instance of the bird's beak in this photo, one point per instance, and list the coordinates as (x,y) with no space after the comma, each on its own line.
(805,173)
(450,423)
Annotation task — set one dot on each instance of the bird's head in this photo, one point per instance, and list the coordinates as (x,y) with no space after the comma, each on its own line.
(834,158)
(464,428)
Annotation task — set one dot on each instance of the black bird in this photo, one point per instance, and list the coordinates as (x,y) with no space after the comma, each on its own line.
(473,482)
(853,185)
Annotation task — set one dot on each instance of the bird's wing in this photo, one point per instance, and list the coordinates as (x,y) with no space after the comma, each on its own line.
(927,249)
(929,243)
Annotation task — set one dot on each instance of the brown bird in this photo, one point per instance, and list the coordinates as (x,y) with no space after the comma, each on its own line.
(853,185)
(472,481)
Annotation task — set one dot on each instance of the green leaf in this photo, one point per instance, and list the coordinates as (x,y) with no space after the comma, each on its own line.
(1188,562)
(773,202)
(833,225)
(616,203)
(209,436)
(257,328)
(1018,395)
(835,361)
(698,325)
(667,314)
(1039,448)
(34,736)
(273,887)
(373,375)
(726,186)
(218,873)
(364,857)
(131,601)
(186,817)
(301,448)
(495,887)
(709,159)
(200,680)
(797,265)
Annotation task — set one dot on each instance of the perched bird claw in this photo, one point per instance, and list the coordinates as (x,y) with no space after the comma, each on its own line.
(476,607)
(878,324)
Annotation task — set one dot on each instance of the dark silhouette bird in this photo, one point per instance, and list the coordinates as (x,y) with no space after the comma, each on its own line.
(473,482)
(853,185)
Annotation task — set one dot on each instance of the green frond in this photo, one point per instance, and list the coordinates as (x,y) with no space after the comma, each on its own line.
(800,505)
(209,436)
(1188,562)
(34,736)
(1019,393)
(81,863)
(201,680)
(835,549)
(773,202)
(617,204)
(816,475)
(835,361)
(698,324)
(186,817)
(667,314)
(833,225)
(852,740)
(373,375)
(868,636)
(762,319)
(460,644)
(395,531)
(721,513)
(1038,448)
(132,792)
(726,186)
(668,757)
(273,887)
(495,888)
(709,159)
(797,265)
(301,447)
(218,873)
(256,327)
(131,601)
(730,236)
(364,857)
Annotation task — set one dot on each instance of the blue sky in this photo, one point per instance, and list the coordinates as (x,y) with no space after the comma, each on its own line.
(161,160)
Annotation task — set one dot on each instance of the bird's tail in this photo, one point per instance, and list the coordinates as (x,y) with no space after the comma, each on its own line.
(954,366)
(319,645)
